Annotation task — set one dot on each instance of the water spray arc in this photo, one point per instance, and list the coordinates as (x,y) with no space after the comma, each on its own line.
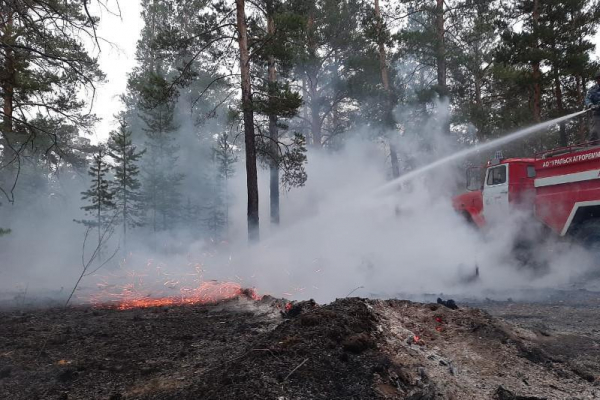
(520,134)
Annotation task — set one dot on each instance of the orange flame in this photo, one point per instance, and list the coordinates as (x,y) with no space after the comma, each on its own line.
(206,293)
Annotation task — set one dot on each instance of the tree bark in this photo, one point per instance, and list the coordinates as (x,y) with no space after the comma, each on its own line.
(124,189)
(100,198)
(385,80)
(273,131)
(312,76)
(251,172)
(564,140)
(315,117)
(536,71)
(440,48)
(8,81)
(478,82)
(581,119)
(305,113)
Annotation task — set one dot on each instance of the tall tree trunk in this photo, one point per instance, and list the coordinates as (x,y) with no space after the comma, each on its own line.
(273,131)
(479,108)
(440,48)
(154,210)
(99,212)
(124,189)
(385,79)
(564,140)
(315,115)
(251,172)
(305,111)
(312,77)
(536,71)
(582,118)
(478,82)
(9,79)
(442,82)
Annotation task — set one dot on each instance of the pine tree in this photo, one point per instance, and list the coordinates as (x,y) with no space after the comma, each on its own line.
(100,197)
(4,231)
(191,216)
(161,181)
(566,26)
(248,117)
(44,65)
(551,58)
(473,65)
(325,63)
(274,99)
(217,203)
(156,101)
(521,49)
(428,39)
(373,85)
(126,185)
(225,160)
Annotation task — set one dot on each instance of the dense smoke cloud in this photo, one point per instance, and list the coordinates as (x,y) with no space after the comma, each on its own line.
(409,242)
(339,235)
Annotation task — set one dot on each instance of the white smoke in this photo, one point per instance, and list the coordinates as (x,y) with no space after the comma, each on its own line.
(339,234)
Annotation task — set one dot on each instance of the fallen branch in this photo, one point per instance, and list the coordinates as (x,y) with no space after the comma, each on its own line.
(354,290)
(295,369)
(104,238)
(269,351)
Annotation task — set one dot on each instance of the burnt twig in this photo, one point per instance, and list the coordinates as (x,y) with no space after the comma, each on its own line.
(354,290)
(103,239)
(295,369)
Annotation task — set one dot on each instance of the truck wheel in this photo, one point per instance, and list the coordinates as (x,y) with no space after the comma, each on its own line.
(469,219)
(529,251)
(588,234)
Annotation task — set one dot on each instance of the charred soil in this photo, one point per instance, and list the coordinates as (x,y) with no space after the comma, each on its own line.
(241,349)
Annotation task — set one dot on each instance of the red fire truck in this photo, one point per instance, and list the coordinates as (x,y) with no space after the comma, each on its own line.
(560,188)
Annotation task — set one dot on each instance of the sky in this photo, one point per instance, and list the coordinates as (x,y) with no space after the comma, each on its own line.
(117,59)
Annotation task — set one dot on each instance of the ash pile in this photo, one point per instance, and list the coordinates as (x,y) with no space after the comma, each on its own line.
(240,349)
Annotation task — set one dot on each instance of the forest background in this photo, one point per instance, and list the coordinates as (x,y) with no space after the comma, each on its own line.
(223,92)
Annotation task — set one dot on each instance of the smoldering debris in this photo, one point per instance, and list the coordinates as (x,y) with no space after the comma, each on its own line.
(351,348)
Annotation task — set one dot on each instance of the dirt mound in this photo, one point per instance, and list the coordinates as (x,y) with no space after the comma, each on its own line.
(349,349)
(320,353)
(366,349)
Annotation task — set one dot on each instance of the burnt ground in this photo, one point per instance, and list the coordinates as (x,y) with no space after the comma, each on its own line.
(349,349)
(565,324)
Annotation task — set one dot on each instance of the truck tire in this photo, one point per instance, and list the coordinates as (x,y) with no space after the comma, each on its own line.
(469,219)
(529,250)
(588,234)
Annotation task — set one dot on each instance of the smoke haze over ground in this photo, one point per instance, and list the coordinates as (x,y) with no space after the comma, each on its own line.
(409,242)
(338,236)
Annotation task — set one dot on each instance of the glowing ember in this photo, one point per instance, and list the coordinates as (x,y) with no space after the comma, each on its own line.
(155,285)
(206,293)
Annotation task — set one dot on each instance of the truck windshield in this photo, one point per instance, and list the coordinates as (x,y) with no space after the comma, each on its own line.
(496,175)
(475,178)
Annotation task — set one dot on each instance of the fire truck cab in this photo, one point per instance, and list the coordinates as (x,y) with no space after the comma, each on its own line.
(559,188)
